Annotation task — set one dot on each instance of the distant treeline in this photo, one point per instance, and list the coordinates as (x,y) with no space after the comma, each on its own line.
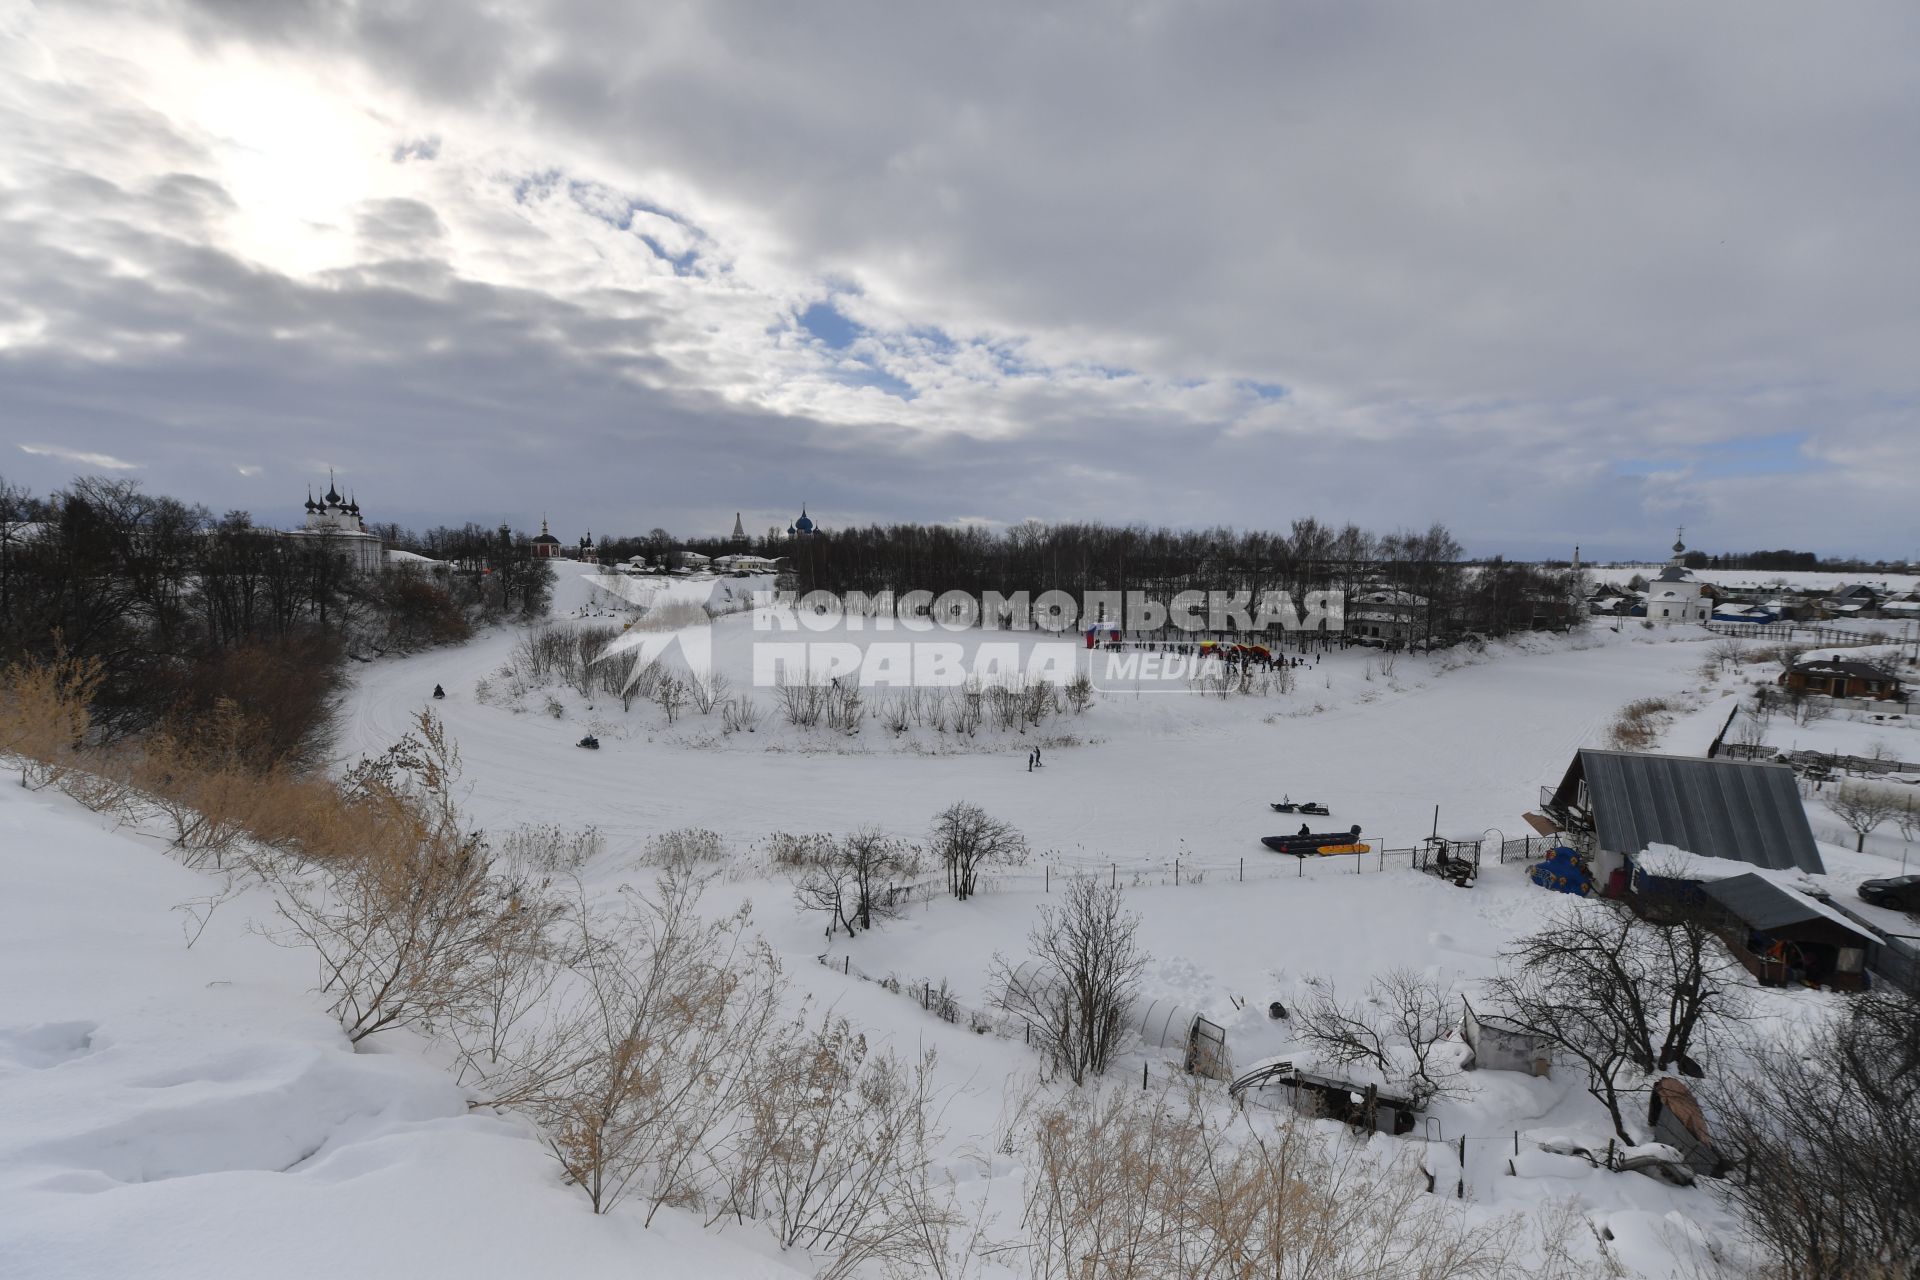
(1790,562)
(1495,598)
(184,609)
(1080,558)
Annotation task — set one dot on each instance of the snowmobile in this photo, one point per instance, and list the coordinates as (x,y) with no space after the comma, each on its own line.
(1318,843)
(438,692)
(590,742)
(1301,806)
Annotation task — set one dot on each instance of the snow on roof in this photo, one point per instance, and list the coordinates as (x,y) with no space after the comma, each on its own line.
(1766,904)
(1840,666)
(1670,862)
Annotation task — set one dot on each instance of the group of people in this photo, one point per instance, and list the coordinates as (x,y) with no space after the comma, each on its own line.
(1033,759)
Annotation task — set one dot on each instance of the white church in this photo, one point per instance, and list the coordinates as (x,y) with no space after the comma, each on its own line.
(336,521)
(1675,596)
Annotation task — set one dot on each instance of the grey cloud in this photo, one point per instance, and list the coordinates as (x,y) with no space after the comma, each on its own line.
(399,227)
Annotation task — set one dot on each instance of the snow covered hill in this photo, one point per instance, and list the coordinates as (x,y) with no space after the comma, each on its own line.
(176,1111)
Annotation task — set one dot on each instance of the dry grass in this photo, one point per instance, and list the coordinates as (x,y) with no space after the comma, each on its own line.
(1638,725)
(685,848)
(44,715)
(1128,1185)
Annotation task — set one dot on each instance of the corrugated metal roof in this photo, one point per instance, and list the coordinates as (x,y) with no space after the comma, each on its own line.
(1736,809)
(1765,905)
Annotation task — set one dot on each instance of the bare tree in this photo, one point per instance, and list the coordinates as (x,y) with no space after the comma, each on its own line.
(1081,980)
(1396,1029)
(857,881)
(1824,1134)
(802,702)
(708,689)
(1624,996)
(1079,692)
(1862,808)
(1750,729)
(671,694)
(966,838)
(1727,654)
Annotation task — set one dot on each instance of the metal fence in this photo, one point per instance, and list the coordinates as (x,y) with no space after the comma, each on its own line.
(1898,962)
(1896,959)
(1528,848)
(1895,629)
(1851,764)
(938,1001)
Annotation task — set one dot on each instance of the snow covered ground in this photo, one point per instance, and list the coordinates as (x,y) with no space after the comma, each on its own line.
(172,1110)
(1476,735)
(176,1111)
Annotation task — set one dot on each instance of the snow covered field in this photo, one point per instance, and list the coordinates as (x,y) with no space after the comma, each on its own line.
(1796,579)
(166,1110)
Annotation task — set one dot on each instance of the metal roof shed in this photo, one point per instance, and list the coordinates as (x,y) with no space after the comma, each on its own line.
(1788,934)
(1741,810)
(1779,911)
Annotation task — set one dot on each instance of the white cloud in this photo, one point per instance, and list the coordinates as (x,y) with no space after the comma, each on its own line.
(80,458)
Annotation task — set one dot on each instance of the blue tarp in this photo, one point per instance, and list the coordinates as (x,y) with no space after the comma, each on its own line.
(1563,872)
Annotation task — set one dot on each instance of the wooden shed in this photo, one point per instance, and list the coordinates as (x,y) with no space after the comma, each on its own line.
(1782,935)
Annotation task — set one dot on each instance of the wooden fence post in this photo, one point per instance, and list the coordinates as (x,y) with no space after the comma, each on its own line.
(1049,874)
(1243,868)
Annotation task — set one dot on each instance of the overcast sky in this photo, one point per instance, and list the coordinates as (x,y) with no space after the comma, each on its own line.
(1547,273)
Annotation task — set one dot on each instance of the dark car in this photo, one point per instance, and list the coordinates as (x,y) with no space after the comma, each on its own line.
(1899,892)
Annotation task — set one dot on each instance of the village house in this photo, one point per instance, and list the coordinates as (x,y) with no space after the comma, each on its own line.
(1387,618)
(1841,678)
(1851,602)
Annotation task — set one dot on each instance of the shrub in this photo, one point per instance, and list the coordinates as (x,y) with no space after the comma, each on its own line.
(47,712)
(685,848)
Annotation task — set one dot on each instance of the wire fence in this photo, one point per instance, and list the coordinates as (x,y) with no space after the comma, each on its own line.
(936,1000)
(1192,870)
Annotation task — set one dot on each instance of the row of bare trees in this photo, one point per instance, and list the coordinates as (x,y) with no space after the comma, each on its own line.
(866,877)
